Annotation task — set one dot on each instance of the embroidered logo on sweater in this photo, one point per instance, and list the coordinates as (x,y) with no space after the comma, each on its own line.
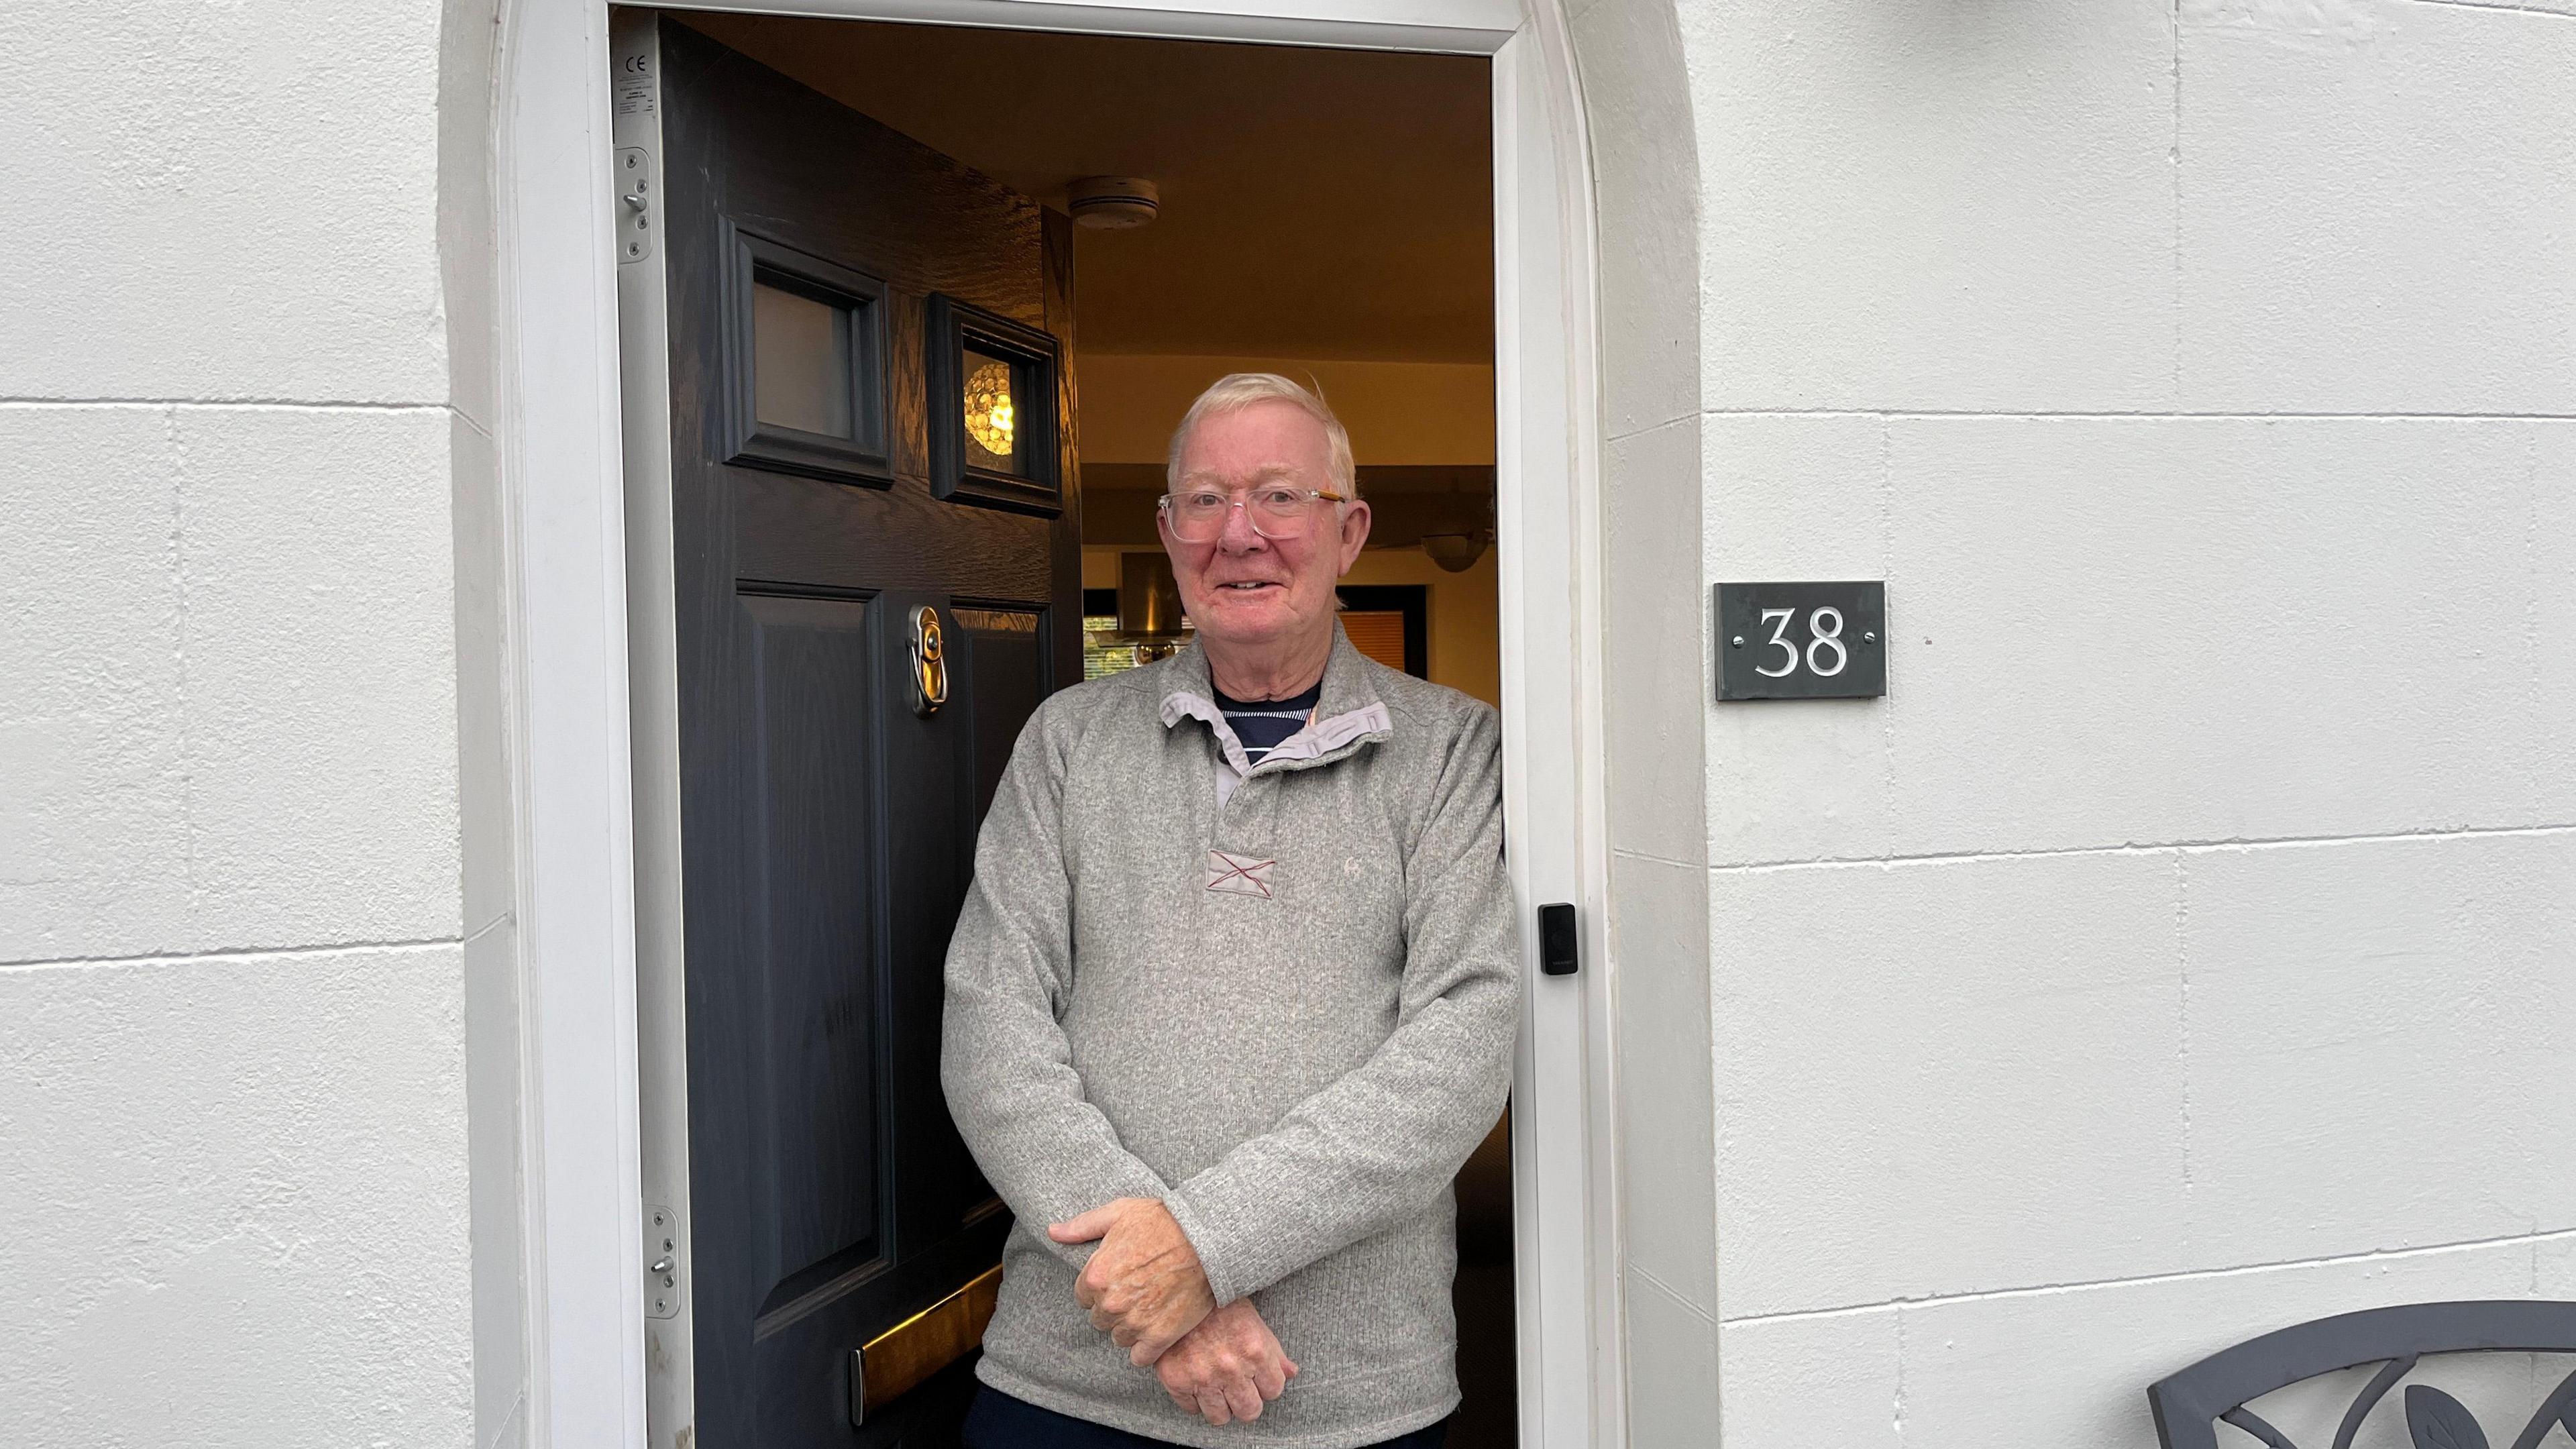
(1238,875)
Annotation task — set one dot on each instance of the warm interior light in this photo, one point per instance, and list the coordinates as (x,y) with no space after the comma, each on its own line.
(989,419)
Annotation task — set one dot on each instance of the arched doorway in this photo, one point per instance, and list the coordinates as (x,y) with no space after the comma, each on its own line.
(581,1244)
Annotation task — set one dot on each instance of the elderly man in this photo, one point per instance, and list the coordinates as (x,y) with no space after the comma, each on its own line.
(1234,995)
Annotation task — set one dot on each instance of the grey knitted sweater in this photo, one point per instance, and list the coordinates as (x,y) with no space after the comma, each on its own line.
(1281,999)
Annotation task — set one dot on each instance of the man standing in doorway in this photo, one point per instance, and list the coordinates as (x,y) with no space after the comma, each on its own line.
(1234,995)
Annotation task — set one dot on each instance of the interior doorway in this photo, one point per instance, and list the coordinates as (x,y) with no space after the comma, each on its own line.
(1285,235)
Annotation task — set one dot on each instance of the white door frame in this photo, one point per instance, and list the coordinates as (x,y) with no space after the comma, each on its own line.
(565,522)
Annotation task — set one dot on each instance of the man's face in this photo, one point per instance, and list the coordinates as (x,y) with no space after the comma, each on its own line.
(1240,589)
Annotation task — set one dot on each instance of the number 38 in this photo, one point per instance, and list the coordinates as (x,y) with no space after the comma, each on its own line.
(1824,632)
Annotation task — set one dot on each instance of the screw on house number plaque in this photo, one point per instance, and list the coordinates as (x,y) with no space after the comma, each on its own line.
(1802,640)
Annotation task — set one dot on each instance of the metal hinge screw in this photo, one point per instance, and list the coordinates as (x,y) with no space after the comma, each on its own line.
(632,187)
(662,1277)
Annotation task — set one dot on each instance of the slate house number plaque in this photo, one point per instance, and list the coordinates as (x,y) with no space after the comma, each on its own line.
(1802,640)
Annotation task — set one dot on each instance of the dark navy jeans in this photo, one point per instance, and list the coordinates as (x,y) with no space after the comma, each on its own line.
(999,1421)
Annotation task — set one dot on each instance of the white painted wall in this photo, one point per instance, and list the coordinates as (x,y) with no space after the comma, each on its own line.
(2175,952)
(234,928)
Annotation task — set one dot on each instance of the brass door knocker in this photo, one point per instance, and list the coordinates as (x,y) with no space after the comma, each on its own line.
(929,671)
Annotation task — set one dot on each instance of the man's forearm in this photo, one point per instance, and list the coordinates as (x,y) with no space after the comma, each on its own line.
(1359,1156)
(1375,1146)
(1003,1058)
(1019,1105)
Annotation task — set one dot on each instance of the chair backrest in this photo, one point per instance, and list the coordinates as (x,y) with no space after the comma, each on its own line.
(2191,1404)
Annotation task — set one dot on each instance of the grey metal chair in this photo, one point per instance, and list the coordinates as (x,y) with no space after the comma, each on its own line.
(2191,1404)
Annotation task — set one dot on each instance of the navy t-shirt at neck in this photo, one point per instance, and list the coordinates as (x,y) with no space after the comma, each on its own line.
(1263,724)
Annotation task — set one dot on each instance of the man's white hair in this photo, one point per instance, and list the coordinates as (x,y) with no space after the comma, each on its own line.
(1236,391)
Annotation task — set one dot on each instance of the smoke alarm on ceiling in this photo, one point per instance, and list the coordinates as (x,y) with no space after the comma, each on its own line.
(1113,203)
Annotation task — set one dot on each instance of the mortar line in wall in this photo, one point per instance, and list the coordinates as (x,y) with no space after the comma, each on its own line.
(241,404)
(2240,1270)
(1764,867)
(245,955)
(2136,415)
(2497,5)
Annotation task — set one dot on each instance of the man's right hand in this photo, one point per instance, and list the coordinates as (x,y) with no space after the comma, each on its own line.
(1227,1367)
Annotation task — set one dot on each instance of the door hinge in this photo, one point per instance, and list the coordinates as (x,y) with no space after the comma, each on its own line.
(1560,952)
(636,196)
(661,1262)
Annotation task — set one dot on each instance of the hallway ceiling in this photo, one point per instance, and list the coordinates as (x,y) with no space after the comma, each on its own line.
(1316,203)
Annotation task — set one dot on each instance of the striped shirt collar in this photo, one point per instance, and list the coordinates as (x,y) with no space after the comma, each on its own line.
(1349,715)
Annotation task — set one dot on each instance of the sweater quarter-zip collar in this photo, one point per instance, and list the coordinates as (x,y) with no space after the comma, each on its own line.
(1348,718)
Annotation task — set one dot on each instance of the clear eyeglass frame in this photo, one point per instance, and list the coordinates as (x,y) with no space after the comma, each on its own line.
(1274,511)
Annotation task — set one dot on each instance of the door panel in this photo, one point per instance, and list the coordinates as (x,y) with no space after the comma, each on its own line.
(816,972)
(1007,662)
(791,533)
(827,825)
(926,868)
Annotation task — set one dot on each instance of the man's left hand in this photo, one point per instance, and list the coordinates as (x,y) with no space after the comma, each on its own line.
(1143,1285)
(1227,1367)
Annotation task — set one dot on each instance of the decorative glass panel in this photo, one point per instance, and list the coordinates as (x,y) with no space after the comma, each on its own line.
(800,362)
(995,439)
(994,433)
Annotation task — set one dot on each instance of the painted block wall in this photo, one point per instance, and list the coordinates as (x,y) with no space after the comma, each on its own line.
(234,931)
(2169,956)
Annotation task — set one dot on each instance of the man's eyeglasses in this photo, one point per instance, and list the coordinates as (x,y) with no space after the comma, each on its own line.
(1274,510)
